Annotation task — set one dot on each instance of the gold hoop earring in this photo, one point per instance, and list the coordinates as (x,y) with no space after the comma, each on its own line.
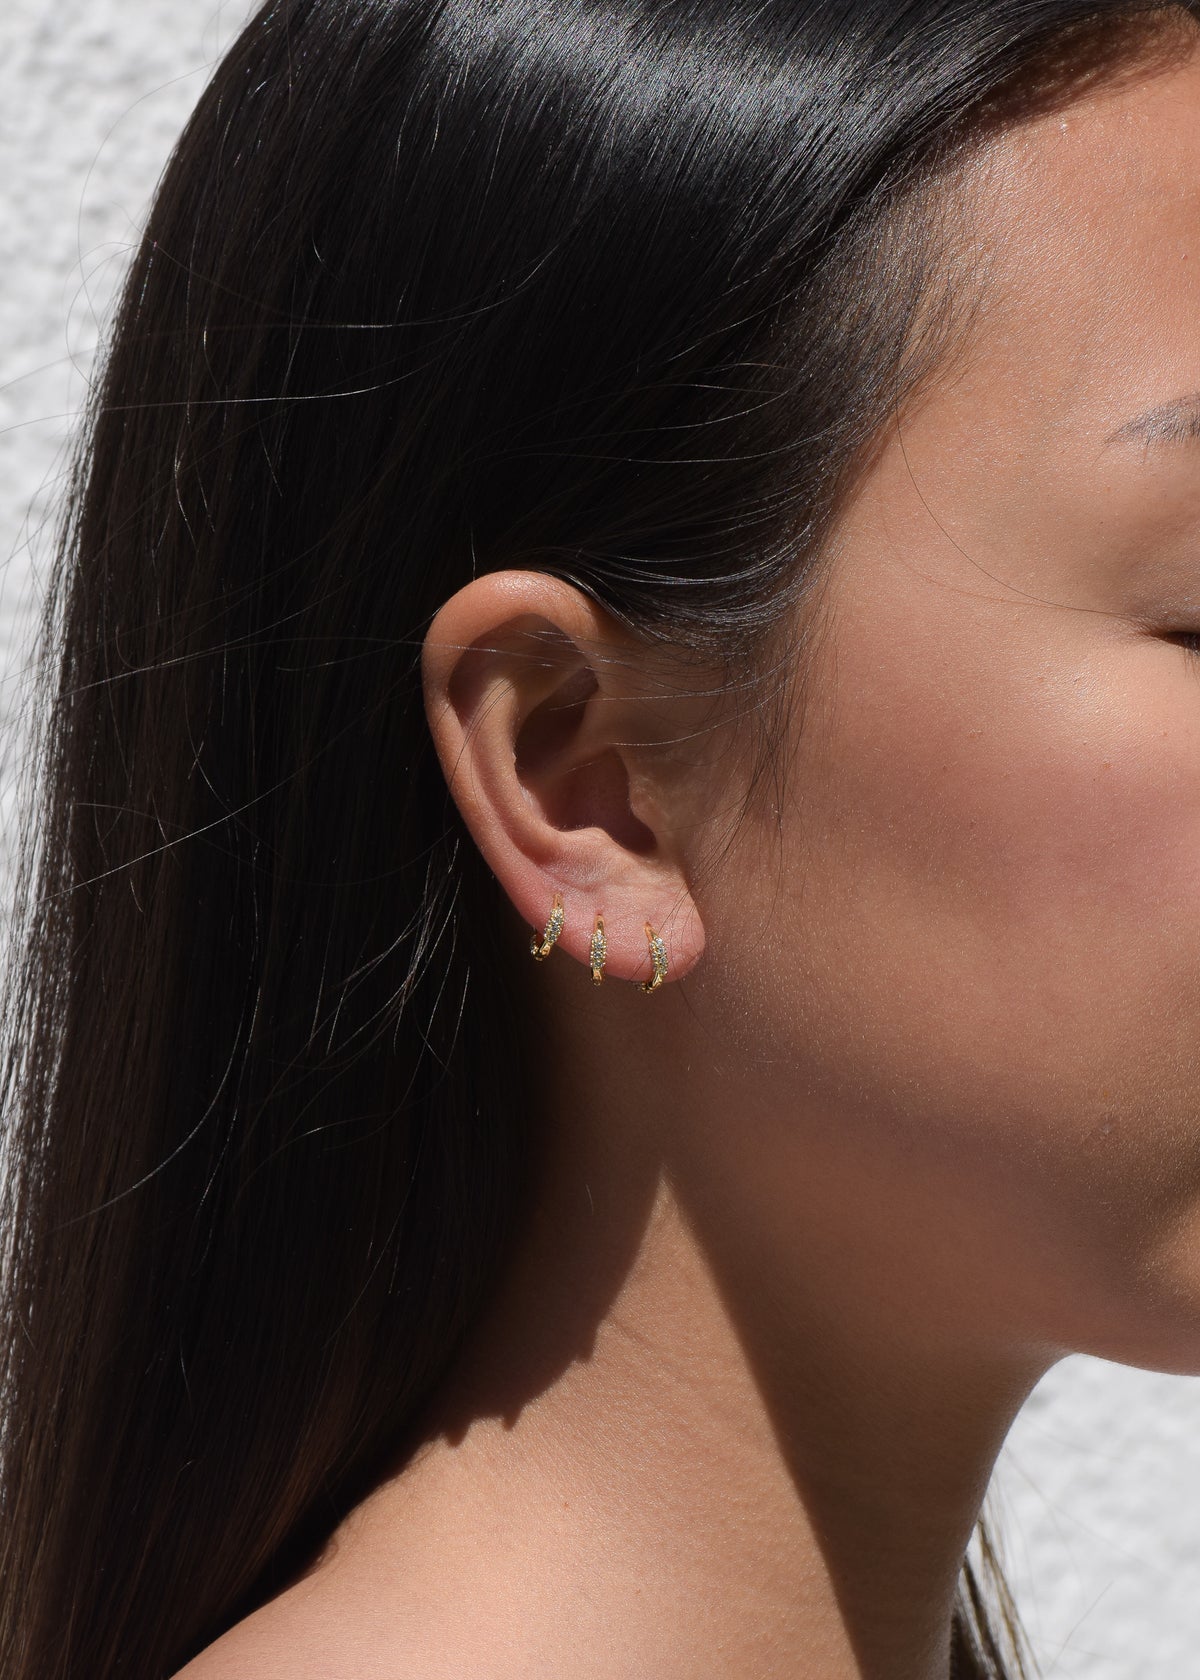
(540,949)
(599,951)
(658,956)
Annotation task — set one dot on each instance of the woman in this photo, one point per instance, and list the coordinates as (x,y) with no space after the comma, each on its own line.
(701,495)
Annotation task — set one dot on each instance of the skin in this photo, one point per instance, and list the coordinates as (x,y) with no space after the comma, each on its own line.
(914,1114)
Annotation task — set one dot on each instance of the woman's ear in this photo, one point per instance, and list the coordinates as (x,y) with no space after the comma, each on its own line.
(555,739)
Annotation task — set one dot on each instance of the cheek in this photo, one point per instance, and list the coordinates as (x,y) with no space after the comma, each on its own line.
(993,868)
(1046,802)
(1015,816)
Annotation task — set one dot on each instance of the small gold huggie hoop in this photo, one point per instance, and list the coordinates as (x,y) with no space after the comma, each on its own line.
(599,951)
(658,956)
(541,948)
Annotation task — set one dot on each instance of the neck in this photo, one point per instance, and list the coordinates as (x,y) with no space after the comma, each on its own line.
(664,1452)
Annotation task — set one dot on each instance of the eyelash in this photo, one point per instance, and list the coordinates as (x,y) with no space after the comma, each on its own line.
(1189,639)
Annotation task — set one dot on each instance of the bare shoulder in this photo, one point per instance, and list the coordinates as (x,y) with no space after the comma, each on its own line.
(301,1635)
(376,1608)
(299,1643)
(342,1628)
(276,1647)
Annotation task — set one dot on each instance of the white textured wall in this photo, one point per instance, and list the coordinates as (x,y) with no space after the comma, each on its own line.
(92,96)
(1098,1490)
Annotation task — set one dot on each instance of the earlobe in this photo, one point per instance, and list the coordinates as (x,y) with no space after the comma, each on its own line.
(532,719)
(598,949)
(540,947)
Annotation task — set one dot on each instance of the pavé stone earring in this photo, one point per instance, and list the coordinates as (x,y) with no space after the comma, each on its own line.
(541,948)
(658,956)
(599,951)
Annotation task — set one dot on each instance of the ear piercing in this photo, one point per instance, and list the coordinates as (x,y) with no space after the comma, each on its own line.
(658,959)
(598,951)
(540,947)
(553,929)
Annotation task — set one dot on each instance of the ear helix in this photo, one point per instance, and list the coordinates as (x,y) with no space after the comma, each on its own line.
(540,947)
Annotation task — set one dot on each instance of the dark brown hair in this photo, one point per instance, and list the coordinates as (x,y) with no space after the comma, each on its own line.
(429,287)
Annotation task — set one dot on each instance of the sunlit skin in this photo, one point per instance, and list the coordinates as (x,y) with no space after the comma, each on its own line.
(917,1110)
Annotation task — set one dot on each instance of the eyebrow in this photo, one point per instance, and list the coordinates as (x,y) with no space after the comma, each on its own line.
(1173,422)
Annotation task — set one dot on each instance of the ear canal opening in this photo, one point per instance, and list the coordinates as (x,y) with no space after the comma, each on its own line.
(550,726)
(593,794)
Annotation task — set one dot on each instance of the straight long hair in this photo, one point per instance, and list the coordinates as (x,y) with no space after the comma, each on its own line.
(620,289)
